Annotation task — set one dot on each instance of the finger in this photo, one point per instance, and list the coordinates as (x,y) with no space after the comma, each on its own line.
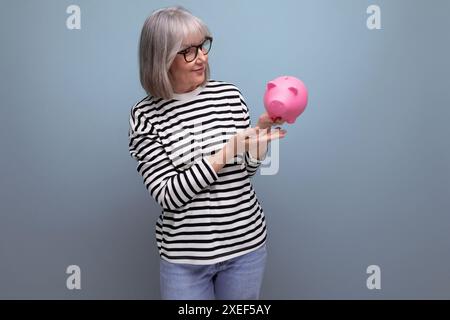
(277,134)
(267,138)
(264,131)
(261,136)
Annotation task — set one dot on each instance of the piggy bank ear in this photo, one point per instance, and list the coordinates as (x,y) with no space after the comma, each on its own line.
(293,90)
(271,85)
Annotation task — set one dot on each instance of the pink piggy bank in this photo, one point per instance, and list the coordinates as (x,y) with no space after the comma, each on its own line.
(286,98)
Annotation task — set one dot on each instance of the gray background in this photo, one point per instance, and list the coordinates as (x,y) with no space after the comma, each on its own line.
(365,171)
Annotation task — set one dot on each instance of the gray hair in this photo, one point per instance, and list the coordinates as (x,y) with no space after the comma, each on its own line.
(161,38)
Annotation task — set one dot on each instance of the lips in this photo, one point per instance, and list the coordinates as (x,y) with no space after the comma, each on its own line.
(198,70)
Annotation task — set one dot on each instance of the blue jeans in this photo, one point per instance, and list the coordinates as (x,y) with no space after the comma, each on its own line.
(239,278)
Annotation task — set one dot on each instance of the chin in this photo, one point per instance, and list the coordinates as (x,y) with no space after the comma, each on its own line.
(200,79)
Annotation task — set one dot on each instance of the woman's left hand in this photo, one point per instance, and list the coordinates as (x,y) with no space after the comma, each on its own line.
(265,121)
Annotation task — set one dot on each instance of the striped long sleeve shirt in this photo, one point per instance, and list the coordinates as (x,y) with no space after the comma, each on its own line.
(206,217)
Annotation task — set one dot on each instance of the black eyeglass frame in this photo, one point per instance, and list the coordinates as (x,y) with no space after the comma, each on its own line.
(185,51)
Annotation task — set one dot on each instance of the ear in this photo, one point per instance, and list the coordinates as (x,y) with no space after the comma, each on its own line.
(271,85)
(293,90)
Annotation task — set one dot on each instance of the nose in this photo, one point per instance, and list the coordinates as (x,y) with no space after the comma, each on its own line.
(201,57)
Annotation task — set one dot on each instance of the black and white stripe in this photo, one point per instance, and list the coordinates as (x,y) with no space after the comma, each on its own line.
(207,217)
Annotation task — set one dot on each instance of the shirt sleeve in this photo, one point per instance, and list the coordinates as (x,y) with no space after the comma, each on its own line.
(251,164)
(171,188)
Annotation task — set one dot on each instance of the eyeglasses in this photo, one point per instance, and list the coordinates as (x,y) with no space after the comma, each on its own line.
(190,53)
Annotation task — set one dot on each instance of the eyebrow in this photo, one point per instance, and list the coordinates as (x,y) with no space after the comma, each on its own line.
(185,46)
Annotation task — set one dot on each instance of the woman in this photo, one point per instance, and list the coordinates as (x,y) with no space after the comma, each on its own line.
(196,152)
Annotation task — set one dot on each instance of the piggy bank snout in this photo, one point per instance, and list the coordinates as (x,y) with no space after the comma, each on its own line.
(276,104)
